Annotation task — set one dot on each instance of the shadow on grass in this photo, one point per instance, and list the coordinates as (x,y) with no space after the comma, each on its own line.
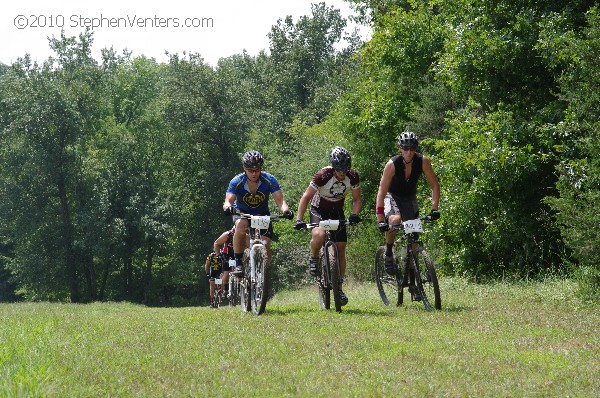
(293,310)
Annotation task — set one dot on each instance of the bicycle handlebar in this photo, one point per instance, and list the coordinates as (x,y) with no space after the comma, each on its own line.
(342,222)
(426,219)
(237,212)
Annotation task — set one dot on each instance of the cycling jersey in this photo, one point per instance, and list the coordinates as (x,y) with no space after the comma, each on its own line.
(247,202)
(331,192)
(402,186)
(214,269)
(402,193)
(227,249)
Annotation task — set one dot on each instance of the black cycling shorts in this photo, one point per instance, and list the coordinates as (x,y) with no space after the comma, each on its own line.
(317,215)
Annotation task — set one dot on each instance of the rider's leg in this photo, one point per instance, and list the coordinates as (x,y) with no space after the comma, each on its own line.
(392,215)
(225,281)
(342,261)
(317,240)
(240,240)
(390,235)
(268,247)
(341,246)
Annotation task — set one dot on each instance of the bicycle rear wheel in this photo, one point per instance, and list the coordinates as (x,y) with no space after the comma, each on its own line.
(426,279)
(323,283)
(234,291)
(333,267)
(259,279)
(388,285)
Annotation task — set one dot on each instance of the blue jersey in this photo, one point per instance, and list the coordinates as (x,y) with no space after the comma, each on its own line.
(258,203)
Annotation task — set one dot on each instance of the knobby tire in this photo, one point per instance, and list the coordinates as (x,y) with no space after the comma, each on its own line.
(388,285)
(260,278)
(323,283)
(426,279)
(245,283)
(333,265)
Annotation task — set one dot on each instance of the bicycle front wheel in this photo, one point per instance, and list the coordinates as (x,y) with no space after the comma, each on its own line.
(333,268)
(323,282)
(259,279)
(426,279)
(388,285)
(245,283)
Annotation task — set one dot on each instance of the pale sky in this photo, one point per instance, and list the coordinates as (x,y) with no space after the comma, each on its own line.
(219,28)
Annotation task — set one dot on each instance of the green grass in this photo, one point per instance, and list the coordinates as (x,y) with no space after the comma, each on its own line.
(508,340)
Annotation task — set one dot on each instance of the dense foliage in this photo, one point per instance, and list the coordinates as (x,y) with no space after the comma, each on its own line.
(113,171)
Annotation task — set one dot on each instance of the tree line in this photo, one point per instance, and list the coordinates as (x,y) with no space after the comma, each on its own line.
(113,171)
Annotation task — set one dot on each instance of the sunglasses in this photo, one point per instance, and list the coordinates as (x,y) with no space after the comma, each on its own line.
(255,170)
(408,148)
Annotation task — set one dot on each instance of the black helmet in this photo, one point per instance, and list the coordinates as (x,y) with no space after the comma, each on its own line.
(408,139)
(253,159)
(340,159)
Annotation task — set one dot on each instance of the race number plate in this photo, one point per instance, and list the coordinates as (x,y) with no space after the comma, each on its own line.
(329,225)
(260,222)
(218,281)
(232,262)
(412,226)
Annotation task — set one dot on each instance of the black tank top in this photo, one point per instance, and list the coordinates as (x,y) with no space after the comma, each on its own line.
(400,186)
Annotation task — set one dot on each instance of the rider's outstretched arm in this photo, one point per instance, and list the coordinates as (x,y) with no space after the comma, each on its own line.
(433,182)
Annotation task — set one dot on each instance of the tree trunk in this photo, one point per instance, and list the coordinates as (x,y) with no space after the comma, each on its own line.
(148,273)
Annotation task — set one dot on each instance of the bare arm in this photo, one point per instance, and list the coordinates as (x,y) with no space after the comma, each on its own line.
(229,199)
(356,200)
(220,241)
(280,201)
(304,201)
(384,184)
(433,182)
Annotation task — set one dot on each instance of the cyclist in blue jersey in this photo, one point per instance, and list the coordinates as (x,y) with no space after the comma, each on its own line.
(397,194)
(249,193)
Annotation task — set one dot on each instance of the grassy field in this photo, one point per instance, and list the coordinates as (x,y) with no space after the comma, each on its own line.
(502,340)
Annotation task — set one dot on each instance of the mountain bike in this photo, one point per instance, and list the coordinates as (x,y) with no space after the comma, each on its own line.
(328,268)
(253,284)
(219,297)
(415,270)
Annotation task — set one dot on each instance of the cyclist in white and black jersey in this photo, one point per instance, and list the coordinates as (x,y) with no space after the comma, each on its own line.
(326,194)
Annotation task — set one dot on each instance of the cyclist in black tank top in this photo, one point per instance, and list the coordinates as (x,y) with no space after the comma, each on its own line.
(397,194)
(400,185)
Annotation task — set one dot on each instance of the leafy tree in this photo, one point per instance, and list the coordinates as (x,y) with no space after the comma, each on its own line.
(579,169)
(493,221)
(45,113)
(303,61)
